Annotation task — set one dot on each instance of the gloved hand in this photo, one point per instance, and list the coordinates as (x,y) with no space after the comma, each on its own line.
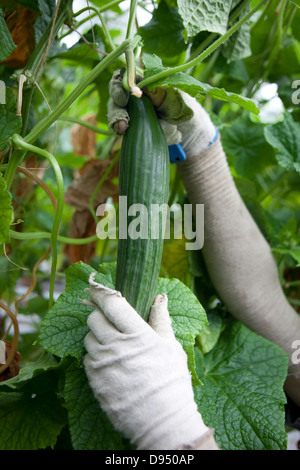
(138,373)
(182,118)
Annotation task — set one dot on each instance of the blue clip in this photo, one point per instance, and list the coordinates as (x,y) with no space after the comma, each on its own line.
(177,154)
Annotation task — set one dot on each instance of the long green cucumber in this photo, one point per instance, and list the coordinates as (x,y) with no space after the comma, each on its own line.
(144,179)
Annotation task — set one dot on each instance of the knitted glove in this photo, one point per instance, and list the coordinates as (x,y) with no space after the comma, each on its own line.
(138,373)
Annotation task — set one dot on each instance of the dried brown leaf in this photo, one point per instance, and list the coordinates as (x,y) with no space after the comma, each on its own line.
(84,139)
(81,189)
(20,24)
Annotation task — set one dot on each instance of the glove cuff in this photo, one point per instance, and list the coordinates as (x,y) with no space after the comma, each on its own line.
(182,428)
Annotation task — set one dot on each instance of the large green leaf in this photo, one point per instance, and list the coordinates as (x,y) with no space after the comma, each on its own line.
(163,33)
(6,214)
(43,363)
(89,427)
(64,327)
(9,122)
(32,417)
(246,147)
(285,138)
(192,86)
(187,315)
(238,45)
(242,396)
(7,44)
(204,15)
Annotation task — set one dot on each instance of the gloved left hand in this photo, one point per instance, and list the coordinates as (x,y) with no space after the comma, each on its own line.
(138,373)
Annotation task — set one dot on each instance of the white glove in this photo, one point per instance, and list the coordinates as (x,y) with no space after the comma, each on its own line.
(138,373)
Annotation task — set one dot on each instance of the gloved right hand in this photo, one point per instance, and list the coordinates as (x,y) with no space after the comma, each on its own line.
(182,117)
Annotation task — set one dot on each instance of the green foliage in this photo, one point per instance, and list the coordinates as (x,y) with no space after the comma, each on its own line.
(6,215)
(9,122)
(242,375)
(246,147)
(237,375)
(285,138)
(161,38)
(7,44)
(204,16)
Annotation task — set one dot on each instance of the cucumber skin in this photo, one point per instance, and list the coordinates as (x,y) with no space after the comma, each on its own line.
(144,178)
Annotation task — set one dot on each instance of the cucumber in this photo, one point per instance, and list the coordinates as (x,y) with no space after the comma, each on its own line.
(144,179)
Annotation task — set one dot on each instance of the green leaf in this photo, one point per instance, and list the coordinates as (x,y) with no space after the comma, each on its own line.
(89,426)
(285,138)
(64,328)
(102,3)
(81,53)
(32,418)
(163,33)
(246,147)
(9,123)
(204,15)
(32,369)
(175,260)
(209,334)
(187,315)
(46,8)
(238,45)
(293,252)
(6,214)
(8,278)
(7,44)
(296,2)
(192,86)
(242,396)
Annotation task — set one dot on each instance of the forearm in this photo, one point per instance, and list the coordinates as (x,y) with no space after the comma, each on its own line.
(238,258)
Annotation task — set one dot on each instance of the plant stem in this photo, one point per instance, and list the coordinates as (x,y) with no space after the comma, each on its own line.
(131,19)
(20,143)
(85,124)
(66,103)
(79,12)
(60,238)
(97,12)
(36,58)
(278,183)
(181,68)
